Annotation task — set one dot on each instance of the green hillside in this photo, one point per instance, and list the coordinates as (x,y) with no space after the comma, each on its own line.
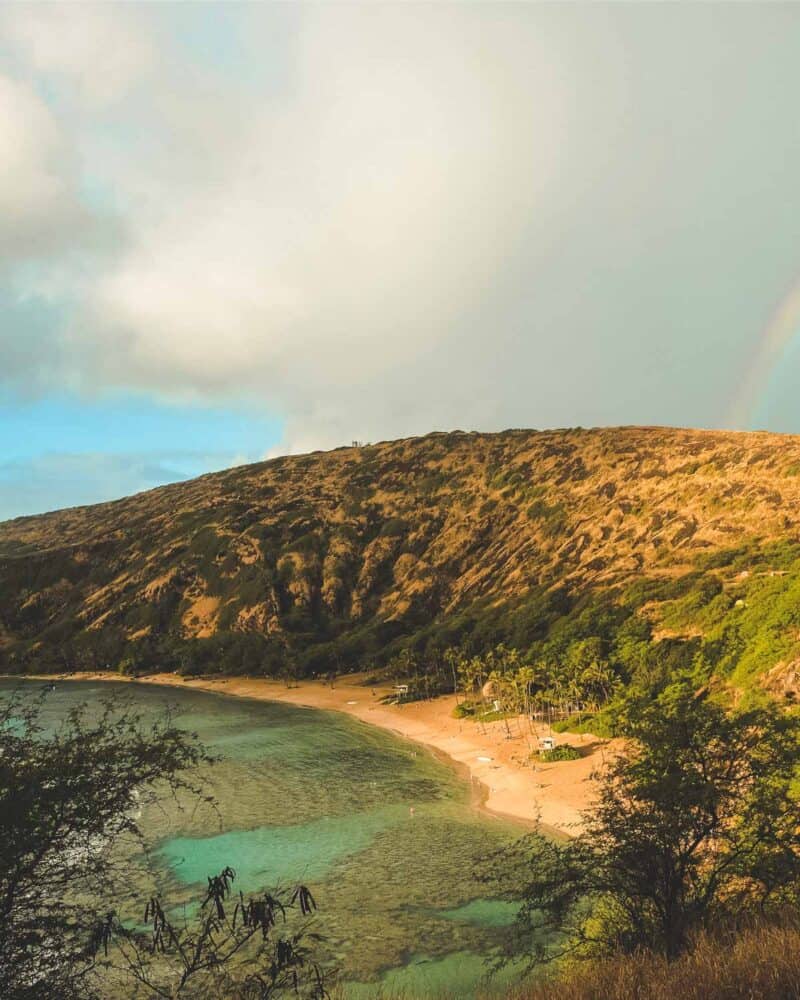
(622,554)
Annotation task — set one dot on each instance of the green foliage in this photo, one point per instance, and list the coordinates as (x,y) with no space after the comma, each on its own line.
(308,543)
(463,710)
(600,724)
(562,752)
(227,948)
(551,516)
(67,800)
(432,483)
(589,628)
(83,785)
(697,823)
(493,715)
(394,528)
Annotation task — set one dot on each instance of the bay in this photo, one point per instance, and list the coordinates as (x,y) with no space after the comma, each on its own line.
(384,833)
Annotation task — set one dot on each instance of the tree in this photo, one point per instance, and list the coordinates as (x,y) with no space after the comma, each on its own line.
(65,798)
(697,822)
(69,802)
(455,661)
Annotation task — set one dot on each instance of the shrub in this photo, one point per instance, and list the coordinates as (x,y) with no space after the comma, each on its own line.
(463,710)
(394,527)
(761,961)
(695,823)
(562,752)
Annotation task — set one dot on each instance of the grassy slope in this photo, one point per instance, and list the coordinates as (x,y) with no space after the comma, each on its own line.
(665,547)
(761,962)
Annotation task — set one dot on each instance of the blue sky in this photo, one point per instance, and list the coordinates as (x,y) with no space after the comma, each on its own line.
(232,231)
(77,451)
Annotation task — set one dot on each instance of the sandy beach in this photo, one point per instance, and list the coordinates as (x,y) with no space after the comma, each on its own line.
(510,784)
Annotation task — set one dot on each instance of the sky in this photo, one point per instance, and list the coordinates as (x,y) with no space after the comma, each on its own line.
(231,231)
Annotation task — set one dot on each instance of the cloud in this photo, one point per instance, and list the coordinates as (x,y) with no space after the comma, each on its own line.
(380,219)
(97,51)
(40,205)
(362,213)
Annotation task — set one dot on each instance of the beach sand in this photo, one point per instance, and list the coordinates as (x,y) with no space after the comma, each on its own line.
(512,785)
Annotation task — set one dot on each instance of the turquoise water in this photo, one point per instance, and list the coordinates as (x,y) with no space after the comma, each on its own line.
(485,912)
(312,796)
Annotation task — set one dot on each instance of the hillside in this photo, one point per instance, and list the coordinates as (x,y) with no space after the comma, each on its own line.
(658,546)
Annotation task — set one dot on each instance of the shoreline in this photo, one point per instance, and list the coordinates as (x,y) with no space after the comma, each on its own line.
(495,758)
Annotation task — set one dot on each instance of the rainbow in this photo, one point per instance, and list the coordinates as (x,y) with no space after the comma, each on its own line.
(777,336)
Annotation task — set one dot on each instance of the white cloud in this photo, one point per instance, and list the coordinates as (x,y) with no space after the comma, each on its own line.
(40,208)
(97,50)
(380,219)
(358,218)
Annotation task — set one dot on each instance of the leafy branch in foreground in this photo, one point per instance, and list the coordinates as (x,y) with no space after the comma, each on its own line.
(231,949)
(69,802)
(697,825)
(66,798)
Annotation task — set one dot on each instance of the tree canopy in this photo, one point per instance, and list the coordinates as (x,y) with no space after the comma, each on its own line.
(69,799)
(697,823)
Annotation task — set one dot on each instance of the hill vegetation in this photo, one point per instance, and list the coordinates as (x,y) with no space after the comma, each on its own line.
(763,961)
(630,553)
(647,578)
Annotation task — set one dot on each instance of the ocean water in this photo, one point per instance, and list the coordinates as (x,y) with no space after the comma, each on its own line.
(316,797)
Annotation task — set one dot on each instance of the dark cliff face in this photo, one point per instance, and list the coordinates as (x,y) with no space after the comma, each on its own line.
(337,558)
